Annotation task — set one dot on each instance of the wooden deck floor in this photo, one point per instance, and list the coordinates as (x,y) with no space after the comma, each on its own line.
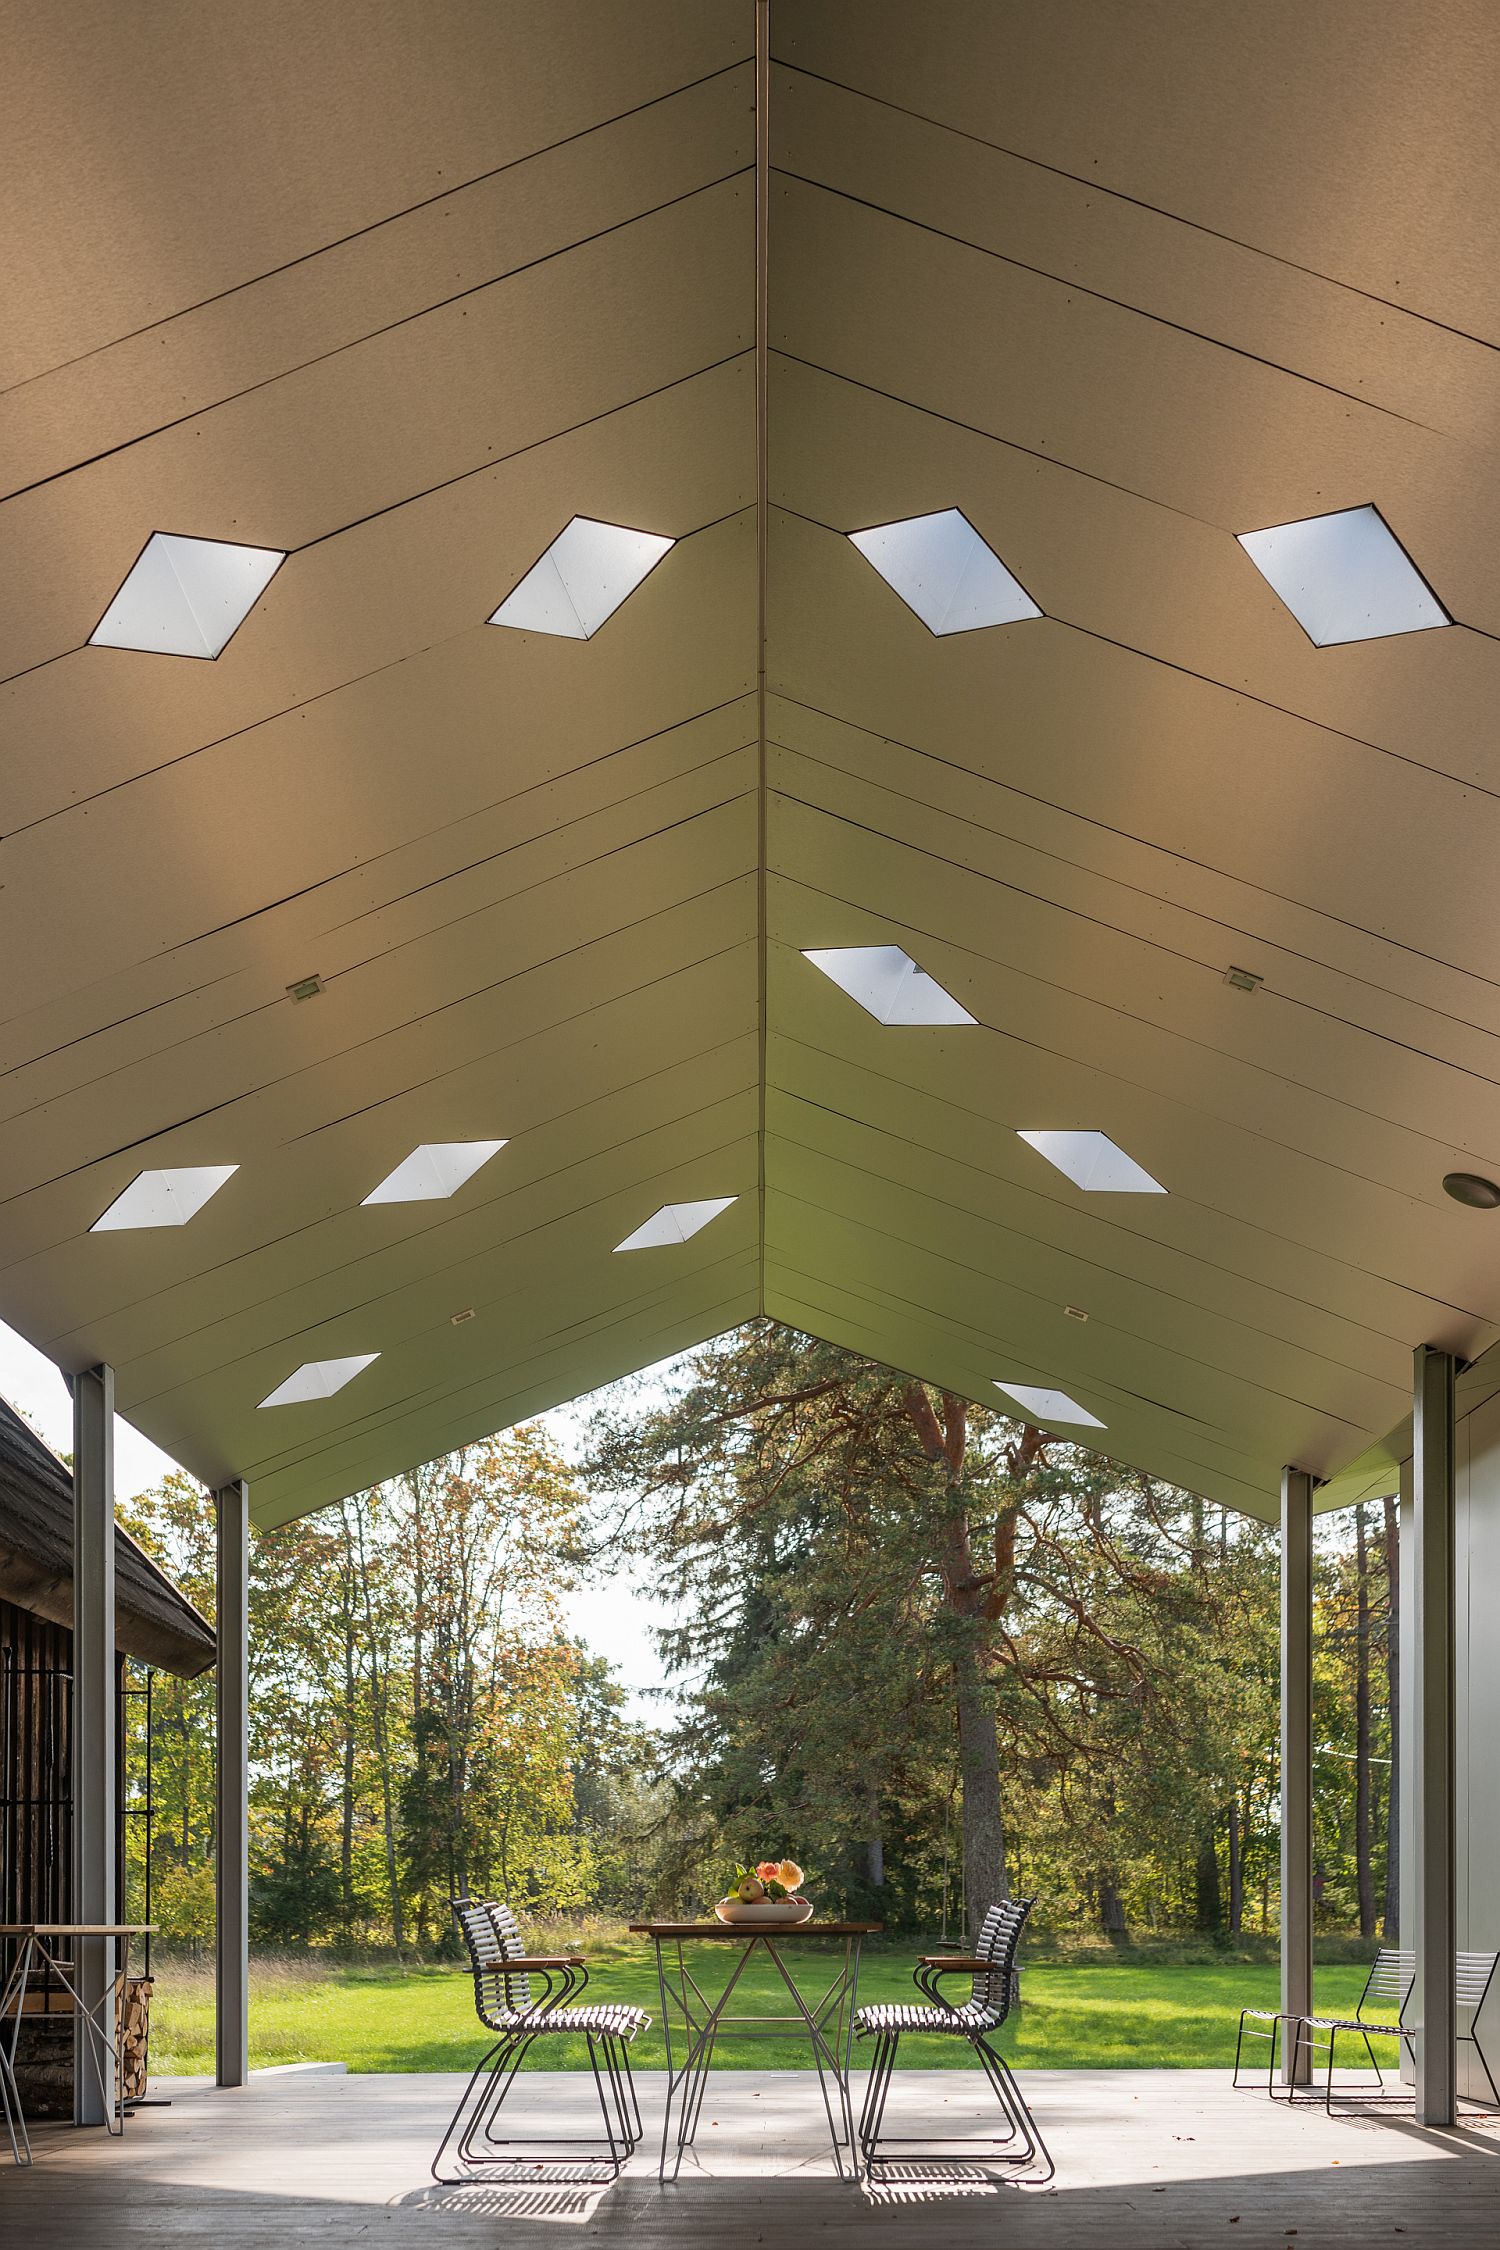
(1146,2160)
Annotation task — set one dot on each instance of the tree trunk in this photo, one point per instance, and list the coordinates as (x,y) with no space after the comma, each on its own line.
(1236,1872)
(1393,1698)
(985,1880)
(1208,1893)
(875,1863)
(346,1810)
(1364,1872)
(1111,1909)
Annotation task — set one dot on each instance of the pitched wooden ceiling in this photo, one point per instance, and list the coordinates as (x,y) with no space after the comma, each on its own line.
(400,291)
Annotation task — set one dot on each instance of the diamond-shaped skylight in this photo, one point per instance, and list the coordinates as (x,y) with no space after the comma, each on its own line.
(586,573)
(319,1378)
(1092,1161)
(1345,577)
(675,1222)
(164,1199)
(944,571)
(185,597)
(888,984)
(436,1169)
(1049,1406)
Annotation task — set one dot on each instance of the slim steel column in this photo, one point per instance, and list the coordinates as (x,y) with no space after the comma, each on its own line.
(232,1826)
(94,1716)
(1432,1607)
(1296,1767)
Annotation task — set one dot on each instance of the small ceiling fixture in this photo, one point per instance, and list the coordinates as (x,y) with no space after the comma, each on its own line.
(1074,1312)
(186,597)
(1471,1188)
(305,988)
(433,1171)
(589,569)
(1243,980)
(164,1199)
(888,984)
(1093,1162)
(1345,577)
(945,572)
(456,1320)
(319,1378)
(675,1222)
(1049,1406)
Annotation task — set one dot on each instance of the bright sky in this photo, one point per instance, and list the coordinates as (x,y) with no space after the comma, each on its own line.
(614,1616)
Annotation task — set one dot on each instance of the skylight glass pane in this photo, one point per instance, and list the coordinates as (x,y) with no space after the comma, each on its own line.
(675,1222)
(1094,1163)
(944,571)
(185,597)
(164,1199)
(319,1378)
(1050,1406)
(1345,577)
(888,984)
(581,580)
(435,1170)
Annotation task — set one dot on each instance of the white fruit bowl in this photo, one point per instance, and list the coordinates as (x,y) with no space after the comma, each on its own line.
(769,1913)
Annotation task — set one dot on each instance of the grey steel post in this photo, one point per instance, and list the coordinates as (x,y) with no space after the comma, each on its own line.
(94,1718)
(1433,1619)
(232,1821)
(1296,1767)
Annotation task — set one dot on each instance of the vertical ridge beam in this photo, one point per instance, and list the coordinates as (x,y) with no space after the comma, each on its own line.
(232,1782)
(1434,1373)
(1296,1768)
(95,1782)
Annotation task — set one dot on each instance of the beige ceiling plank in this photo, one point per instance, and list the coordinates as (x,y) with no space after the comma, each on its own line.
(274,137)
(444,249)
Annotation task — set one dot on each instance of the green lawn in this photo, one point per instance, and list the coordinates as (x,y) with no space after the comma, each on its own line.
(1090,2015)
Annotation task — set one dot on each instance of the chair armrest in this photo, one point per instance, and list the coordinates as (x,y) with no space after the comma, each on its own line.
(523,1961)
(961,1963)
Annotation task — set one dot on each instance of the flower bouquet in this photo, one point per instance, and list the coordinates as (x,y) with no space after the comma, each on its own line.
(767,1896)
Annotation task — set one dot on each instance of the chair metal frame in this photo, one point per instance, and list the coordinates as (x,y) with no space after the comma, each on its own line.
(991,1969)
(1391,1976)
(505,2003)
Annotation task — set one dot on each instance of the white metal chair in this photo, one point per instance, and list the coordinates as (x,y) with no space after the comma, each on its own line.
(991,1970)
(1388,1985)
(507,2003)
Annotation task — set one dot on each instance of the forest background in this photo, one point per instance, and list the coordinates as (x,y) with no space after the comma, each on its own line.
(926,1649)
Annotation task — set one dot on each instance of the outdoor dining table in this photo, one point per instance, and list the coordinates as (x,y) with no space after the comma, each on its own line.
(697,2017)
(38,1954)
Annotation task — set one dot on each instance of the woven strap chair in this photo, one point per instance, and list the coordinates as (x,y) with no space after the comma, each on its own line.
(991,1970)
(522,1998)
(1319,2035)
(1387,1990)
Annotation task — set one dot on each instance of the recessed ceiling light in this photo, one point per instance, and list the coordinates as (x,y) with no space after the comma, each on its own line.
(944,571)
(319,1378)
(1074,1312)
(1244,980)
(164,1199)
(436,1169)
(1093,1162)
(581,580)
(1471,1188)
(185,597)
(1345,577)
(675,1222)
(888,984)
(457,1319)
(1049,1406)
(305,988)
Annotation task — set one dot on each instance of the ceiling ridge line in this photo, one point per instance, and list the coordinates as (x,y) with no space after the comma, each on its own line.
(762,576)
